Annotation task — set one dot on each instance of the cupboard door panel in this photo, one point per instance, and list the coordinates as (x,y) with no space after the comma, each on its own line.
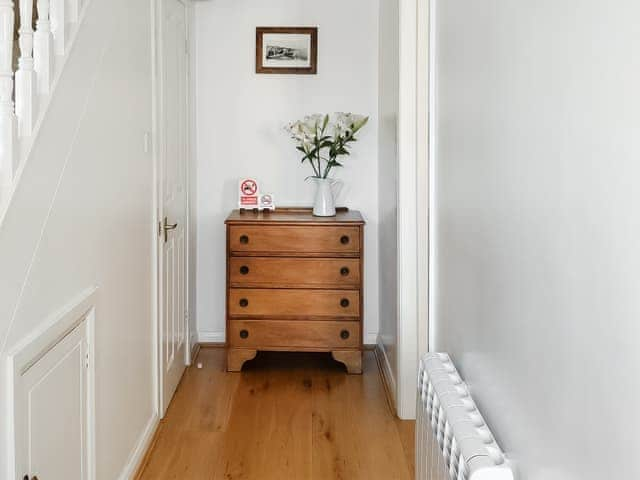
(51,412)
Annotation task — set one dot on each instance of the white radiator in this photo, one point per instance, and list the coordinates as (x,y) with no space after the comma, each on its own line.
(452,440)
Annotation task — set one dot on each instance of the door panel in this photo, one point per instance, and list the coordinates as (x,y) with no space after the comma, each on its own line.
(173,154)
(52,415)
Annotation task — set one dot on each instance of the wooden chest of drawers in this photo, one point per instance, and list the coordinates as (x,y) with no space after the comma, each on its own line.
(294,283)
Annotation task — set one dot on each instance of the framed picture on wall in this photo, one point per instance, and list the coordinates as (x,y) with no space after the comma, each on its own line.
(287,50)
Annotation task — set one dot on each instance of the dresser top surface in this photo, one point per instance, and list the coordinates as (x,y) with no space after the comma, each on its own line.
(294,216)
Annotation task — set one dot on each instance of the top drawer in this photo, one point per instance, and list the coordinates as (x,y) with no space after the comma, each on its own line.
(294,239)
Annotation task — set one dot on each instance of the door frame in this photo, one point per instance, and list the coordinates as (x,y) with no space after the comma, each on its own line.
(414,194)
(156,244)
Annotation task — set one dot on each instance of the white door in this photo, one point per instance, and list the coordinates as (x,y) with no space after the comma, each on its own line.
(51,413)
(173,196)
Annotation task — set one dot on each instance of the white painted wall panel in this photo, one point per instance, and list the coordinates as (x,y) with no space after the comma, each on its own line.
(389,106)
(537,259)
(240,119)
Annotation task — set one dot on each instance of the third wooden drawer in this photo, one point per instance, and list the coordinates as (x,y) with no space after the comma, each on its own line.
(292,303)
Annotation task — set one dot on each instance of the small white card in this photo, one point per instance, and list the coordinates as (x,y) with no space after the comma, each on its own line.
(267,202)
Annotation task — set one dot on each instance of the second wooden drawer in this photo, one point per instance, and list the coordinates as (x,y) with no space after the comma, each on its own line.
(244,302)
(294,272)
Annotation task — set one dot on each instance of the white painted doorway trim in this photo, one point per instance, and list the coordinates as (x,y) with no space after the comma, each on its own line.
(413,200)
(423,169)
(431,67)
(156,142)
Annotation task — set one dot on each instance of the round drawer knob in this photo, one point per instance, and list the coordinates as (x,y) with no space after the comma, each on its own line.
(344,303)
(244,270)
(344,271)
(344,334)
(344,240)
(244,239)
(244,334)
(244,302)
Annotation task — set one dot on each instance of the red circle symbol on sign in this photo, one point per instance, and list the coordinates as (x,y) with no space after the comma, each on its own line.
(249,187)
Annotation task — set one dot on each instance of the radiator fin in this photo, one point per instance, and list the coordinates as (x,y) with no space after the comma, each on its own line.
(453,442)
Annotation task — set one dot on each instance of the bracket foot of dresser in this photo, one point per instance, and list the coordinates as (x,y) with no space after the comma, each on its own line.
(237,356)
(352,359)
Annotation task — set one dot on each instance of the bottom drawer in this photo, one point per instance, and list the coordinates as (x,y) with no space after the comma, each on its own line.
(299,334)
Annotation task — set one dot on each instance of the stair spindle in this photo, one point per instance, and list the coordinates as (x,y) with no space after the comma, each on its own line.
(59,26)
(7,115)
(26,95)
(43,48)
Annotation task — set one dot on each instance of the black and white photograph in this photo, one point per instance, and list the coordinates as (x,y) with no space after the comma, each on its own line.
(282,50)
(286,50)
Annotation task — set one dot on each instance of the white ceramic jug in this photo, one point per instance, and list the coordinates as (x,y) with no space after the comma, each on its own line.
(325,203)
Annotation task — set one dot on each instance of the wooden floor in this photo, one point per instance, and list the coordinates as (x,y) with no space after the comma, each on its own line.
(287,416)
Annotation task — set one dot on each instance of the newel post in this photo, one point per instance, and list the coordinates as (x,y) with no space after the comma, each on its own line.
(43,48)
(26,94)
(7,115)
(59,26)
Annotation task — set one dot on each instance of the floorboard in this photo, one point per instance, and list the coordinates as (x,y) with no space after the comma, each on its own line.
(286,416)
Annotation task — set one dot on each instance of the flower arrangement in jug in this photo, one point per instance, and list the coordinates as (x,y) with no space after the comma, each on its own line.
(322,140)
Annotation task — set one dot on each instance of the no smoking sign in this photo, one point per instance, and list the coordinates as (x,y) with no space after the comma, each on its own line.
(249,187)
(249,196)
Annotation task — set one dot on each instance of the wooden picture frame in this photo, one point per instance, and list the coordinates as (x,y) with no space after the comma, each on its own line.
(297,55)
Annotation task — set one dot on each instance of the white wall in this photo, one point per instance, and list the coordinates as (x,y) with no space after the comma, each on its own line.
(240,116)
(389,105)
(82,217)
(537,258)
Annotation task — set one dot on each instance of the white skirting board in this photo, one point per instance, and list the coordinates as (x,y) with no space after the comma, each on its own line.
(218,337)
(140,449)
(211,337)
(370,339)
(389,378)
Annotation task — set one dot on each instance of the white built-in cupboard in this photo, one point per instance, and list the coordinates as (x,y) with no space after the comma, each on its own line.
(51,397)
